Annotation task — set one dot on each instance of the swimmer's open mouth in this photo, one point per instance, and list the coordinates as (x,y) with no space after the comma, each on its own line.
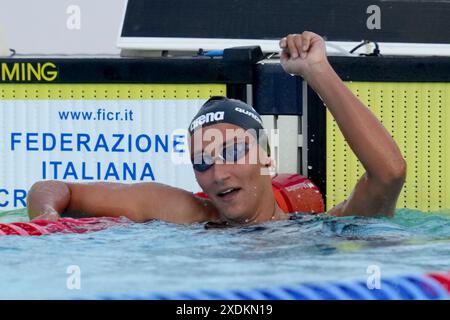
(228,192)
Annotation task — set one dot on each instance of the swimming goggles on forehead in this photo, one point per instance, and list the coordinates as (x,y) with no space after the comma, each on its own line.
(231,153)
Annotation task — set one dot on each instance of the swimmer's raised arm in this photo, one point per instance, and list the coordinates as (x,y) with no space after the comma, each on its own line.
(138,202)
(378,189)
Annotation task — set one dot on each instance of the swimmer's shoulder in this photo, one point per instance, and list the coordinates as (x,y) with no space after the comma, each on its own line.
(207,208)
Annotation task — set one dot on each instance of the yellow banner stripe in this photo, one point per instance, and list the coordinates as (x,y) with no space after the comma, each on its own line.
(416,114)
(109,91)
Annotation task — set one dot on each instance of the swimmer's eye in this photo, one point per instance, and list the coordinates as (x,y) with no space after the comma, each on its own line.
(202,162)
(230,154)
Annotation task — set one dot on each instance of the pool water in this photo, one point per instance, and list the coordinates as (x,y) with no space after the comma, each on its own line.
(134,258)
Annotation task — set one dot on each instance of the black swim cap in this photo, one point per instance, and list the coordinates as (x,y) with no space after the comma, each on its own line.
(223,110)
(220,109)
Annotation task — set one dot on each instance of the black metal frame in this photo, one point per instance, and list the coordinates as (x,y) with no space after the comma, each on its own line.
(151,70)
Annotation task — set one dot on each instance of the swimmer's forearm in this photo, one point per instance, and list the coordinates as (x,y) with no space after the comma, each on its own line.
(47,197)
(369,140)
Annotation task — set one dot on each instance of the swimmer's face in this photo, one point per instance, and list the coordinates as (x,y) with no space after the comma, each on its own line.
(237,187)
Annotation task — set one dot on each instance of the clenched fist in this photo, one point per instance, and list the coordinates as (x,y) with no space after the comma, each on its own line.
(303,54)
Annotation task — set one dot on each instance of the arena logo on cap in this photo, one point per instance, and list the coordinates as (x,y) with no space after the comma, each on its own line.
(248,113)
(207,118)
